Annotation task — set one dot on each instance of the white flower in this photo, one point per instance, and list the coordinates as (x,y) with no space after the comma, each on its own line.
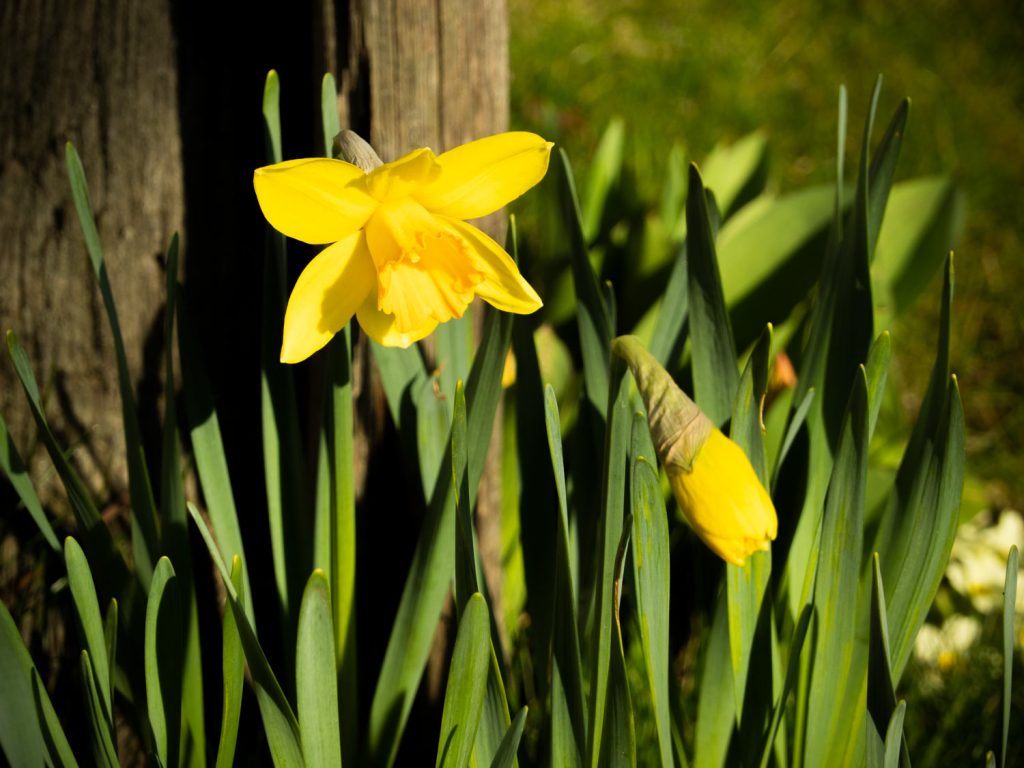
(977,565)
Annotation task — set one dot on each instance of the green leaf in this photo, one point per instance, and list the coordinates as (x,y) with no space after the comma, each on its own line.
(431,570)
(279,420)
(90,623)
(881,696)
(279,723)
(667,339)
(750,640)
(796,647)
(316,679)
(737,171)
(1009,615)
(618,739)
(208,451)
(14,468)
(925,216)
(895,747)
(30,733)
(714,357)
(609,534)
(145,529)
(595,330)
(467,685)
(433,420)
(506,755)
(568,721)
(233,674)
(605,170)
(113,572)
(164,648)
(877,371)
(651,572)
(100,732)
(329,120)
(834,685)
(918,525)
(716,709)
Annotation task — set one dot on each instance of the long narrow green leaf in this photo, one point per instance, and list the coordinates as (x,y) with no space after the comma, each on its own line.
(14,468)
(833,683)
(675,306)
(716,709)
(494,718)
(881,696)
(467,685)
(112,570)
(431,570)
(208,452)
(618,732)
(316,682)
(145,527)
(595,331)
(233,674)
(605,169)
(796,647)
(335,531)
(715,376)
(30,733)
(613,489)
(750,641)
(736,172)
(505,757)
(103,750)
(279,723)
(918,526)
(164,649)
(895,746)
(1009,615)
(568,718)
(175,534)
(279,421)
(651,571)
(90,622)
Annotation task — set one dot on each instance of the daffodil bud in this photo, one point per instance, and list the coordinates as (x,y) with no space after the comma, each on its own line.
(714,484)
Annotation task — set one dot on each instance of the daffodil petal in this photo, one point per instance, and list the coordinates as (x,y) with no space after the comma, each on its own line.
(403,176)
(383,328)
(482,176)
(313,199)
(326,295)
(503,286)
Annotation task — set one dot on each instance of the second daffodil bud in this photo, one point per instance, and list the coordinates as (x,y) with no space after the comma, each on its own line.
(712,479)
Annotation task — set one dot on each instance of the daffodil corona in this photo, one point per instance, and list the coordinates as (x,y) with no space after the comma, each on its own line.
(712,479)
(401,257)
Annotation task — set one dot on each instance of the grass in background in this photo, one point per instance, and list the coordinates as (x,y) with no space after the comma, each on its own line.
(696,72)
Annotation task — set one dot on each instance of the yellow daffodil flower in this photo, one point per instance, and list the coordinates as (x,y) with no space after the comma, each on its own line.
(711,477)
(401,259)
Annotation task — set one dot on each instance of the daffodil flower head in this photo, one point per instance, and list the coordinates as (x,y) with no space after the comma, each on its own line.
(401,257)
(711,477)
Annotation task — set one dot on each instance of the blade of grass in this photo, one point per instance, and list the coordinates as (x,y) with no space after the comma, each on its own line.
(279,723)
(881,697)
(651,571)
(618,737)
(715,376)
(30,733)
(163,661)
(145,525)
(467,685)
(14,468)
(605,169)
(232,672)
(716,709)
(316,678)
(895,746)
(666,341)
(792,676)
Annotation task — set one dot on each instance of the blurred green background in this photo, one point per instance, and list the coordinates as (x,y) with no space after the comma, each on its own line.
(696,73)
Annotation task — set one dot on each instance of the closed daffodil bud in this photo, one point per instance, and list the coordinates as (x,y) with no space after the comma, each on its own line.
(711,477)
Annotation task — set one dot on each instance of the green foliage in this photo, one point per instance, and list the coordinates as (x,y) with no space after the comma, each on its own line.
(794,657)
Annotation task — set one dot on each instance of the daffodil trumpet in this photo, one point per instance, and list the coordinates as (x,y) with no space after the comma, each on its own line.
(400,256)
(711,477)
